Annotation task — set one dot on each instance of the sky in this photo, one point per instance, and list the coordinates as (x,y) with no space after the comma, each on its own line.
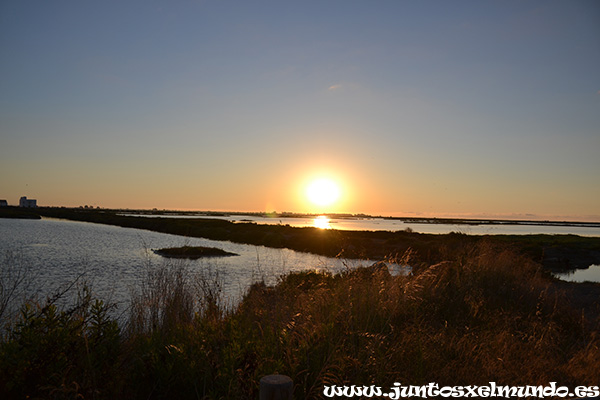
(413,108)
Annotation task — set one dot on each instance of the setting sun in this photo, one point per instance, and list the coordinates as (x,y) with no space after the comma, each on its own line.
(323,192)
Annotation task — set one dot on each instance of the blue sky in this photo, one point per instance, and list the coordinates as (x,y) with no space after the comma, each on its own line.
(415,107)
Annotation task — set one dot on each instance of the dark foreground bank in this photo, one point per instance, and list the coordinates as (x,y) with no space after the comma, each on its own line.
(487,315)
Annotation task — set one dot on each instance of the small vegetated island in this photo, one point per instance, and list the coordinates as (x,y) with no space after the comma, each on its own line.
(193,252)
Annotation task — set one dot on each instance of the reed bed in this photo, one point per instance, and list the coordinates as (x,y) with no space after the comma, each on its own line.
(485,315)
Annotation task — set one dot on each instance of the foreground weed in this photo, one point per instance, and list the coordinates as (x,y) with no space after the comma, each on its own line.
(485,315)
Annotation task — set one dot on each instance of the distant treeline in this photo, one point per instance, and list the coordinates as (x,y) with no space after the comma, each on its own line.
(466,221)
(19,213)
(554,252)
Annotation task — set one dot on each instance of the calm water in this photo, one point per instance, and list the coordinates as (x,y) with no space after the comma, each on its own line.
(115,259)
(380,224)
(591,274)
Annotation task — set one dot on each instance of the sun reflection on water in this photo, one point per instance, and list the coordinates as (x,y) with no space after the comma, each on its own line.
(322,222)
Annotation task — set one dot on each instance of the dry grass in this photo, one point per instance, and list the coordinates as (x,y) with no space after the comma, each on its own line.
(486,315)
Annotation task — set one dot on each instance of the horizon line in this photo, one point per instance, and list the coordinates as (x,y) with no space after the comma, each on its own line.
(394,215)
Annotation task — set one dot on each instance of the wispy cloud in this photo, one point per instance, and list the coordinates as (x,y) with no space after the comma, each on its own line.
(335,87)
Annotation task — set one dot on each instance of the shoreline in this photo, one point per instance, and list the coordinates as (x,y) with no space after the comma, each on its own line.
(556,253)
(18,212)
(414,220)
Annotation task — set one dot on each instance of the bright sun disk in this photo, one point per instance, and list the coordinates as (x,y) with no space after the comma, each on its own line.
(323,192)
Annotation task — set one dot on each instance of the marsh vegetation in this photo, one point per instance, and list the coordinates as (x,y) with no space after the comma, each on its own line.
(487,314)
(193,252)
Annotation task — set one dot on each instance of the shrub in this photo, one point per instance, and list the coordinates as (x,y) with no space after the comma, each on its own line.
(61,354)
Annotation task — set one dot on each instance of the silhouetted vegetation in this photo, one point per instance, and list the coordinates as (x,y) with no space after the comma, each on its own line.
(193,252)
(484,315)
(18,213)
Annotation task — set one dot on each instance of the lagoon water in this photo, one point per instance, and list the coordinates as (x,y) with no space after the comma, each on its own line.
(591,274)
(382,224)
(113,260)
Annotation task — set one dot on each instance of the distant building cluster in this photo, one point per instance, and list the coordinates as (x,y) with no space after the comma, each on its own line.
(27,203)
(23,202)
